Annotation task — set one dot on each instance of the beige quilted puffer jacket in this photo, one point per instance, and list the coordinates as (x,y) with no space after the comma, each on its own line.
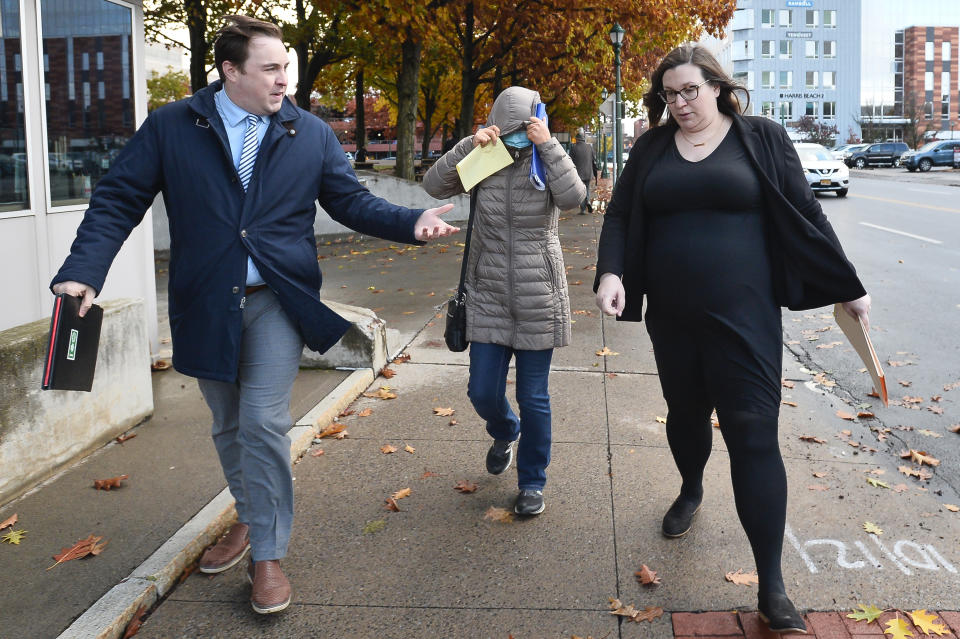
(516,283)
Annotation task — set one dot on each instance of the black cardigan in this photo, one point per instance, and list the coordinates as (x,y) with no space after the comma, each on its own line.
(810,268)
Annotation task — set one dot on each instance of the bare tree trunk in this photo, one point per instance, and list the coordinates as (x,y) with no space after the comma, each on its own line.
(360,130)
(197,27)
(408,90)
(468,86)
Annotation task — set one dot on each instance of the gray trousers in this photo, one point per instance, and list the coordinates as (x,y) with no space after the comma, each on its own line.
(251,418)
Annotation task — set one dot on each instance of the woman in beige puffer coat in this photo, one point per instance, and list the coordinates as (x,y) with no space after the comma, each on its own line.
(517,301)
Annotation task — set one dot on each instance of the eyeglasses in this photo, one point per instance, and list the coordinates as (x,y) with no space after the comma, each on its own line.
(688,93)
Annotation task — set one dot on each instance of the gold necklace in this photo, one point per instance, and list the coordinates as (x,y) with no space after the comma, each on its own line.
(695,144)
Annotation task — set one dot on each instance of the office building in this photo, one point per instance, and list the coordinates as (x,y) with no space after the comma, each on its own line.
(926,82)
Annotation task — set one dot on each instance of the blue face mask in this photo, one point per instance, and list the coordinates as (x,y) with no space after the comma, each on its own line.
(517,139)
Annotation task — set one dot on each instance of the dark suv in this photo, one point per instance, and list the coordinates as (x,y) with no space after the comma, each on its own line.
(936,153)
(879,154)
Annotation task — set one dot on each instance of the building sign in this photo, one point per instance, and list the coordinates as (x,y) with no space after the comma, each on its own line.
(799,34)
(799,3)
(804,96)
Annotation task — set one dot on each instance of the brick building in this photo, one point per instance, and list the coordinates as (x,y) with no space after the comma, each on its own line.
(926,76)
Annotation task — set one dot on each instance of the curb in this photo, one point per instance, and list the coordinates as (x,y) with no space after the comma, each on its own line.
(108,617)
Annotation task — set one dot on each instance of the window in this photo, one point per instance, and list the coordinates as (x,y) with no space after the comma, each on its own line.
(810,49)
(786,79)
(767,80)
(830,18)
(829,48)
(14,183)
(945,51)
(744,79)
(928,110)
(767,48)
(829,80)
(829,110)
(811,19)
(786,110)
(928,51)
(89,125)
(766,109)
(786,49)
(768,18)
(945,97)
(811,81)
(812,109)
(743,50)
(786,18)
(928,81)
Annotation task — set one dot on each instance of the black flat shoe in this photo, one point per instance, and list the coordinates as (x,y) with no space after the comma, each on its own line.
(780,615)
(679,519)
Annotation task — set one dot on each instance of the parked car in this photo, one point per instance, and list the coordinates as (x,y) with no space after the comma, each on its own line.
(837,151)
(823,171)
(936,153)
(878,154)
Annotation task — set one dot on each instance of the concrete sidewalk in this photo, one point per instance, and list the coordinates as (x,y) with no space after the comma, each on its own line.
(441,566)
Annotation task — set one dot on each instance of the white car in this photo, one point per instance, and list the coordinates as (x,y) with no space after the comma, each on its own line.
(824,172)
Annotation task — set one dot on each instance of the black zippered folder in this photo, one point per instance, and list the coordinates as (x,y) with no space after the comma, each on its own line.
(72,348)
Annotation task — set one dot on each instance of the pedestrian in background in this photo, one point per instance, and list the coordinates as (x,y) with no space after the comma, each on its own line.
(241,168)
(517,301)
(586,162)
(714,222)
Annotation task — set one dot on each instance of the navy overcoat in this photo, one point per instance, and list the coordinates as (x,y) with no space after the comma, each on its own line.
(182,151)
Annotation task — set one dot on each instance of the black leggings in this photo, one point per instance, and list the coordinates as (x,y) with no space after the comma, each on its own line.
(690,377)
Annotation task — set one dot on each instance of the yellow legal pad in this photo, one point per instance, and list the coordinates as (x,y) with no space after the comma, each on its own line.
(483,162)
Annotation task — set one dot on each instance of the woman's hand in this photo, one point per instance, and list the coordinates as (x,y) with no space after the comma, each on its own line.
(537,131)
(610,295)
(859,309)
(486,135)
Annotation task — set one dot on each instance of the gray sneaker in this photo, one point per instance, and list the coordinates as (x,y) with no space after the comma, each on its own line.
(529,502)
(499,456)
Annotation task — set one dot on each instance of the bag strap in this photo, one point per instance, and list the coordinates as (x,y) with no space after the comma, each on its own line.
(461,292)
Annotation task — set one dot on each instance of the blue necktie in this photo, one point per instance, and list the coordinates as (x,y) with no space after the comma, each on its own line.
(248,155)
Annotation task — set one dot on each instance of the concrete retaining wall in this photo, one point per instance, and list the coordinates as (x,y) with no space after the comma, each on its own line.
(394,189)
(42,431)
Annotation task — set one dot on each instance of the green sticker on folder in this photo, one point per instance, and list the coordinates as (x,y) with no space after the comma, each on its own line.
(483,162)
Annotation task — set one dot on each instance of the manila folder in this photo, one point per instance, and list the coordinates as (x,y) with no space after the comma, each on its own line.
(860,340)
(483,162)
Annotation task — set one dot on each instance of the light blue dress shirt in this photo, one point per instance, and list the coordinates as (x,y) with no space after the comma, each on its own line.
(235,121)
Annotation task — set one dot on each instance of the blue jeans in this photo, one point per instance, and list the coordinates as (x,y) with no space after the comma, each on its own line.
(251,418)
(487,391)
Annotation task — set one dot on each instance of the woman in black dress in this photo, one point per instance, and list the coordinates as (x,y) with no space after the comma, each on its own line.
(714,222)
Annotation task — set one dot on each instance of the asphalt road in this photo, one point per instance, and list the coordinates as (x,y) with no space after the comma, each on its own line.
(903,236)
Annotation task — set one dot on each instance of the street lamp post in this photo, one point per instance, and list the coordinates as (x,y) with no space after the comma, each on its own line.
(616,37)
(603,161)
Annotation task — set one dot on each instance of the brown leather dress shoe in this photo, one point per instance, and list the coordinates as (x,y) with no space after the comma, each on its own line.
(227,552)
(271,590)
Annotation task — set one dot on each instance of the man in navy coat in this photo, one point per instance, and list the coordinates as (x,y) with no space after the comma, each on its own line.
(240,168)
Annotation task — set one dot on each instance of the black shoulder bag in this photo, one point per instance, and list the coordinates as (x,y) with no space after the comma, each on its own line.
(455,333)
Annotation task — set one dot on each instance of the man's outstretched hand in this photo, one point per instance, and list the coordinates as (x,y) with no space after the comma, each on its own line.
(429,226)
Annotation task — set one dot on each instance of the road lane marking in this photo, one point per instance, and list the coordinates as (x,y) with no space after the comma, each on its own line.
(904,202)
(889,230)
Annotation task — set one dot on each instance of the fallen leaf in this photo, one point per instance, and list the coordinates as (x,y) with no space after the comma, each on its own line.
(340,435)
(317,452)
(617,608)
(844,415)
(812,439)
(647,614)
(160,365)
(502,515)
(382,393)
(443,412)
(919,457)
(401,358)
(92,545)
(818,487)
(954,428)
(819,475)
(647,577)
(876,483)
(410,449)
(786,383)
(661,420)
(604,352)
(897,628)
(794,404)
(9,521)
(872,528)
(899,488)
(400,494)
(13,537)
(741,578)
(905,384)
(107,484)
(428,474)
(453,422)
(346,413)
(866,613)
(388,372)
(865,415)
(465,486)
(927,622)
(332,429)
(391,504)
(898,363)
(135,622)
(366,412)
(877,471)
(122,438)
(936,398)
(952,508)
(936,410)
(926,432)
(386,449)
